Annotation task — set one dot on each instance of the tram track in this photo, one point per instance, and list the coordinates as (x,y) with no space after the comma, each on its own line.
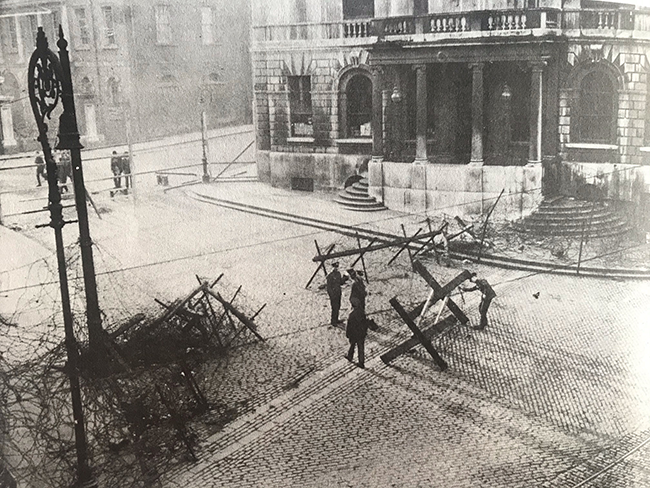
(505,262)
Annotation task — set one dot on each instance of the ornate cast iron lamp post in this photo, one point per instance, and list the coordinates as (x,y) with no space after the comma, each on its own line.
(46,81)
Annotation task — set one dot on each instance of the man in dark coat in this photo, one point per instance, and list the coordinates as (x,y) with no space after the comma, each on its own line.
(356,332)
(358,292)
(64,169)
(125,165)
(116,169)
(487,295)
(334,281)
(40,169)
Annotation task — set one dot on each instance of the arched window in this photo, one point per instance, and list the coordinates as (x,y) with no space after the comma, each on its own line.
(596,110)
(86,88)
(359,106)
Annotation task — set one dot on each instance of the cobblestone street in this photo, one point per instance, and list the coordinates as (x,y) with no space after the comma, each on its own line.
(554,393)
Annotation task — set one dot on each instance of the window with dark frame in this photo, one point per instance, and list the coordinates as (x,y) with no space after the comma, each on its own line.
(83,31)
(109,26)
(596,114)
(300,106)
(359,106)
(358,9)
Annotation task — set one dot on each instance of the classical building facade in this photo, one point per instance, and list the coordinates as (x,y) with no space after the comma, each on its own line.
(454,100)
(152,64)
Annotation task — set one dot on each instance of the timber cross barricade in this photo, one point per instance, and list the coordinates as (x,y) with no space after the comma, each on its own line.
(424,242)
(423,337)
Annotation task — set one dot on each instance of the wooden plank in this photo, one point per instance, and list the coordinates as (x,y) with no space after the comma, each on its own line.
(395,242)
(321,264)
(406,245)
(426,343)
(242,318)
(431,281)
(413,341)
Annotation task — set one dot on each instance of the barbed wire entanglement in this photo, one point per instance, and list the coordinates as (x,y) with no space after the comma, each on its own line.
(141,392)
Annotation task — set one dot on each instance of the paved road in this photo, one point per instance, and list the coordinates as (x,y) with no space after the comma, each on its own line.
(554,392)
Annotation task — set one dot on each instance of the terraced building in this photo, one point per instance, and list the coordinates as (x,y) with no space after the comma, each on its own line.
(453,101)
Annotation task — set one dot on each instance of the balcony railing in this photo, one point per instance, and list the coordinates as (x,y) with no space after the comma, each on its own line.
(605,20)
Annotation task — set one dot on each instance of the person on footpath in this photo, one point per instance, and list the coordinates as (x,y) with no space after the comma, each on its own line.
(64,170)
(487,295)
(358,292)
(125,166)
(334,282)
(40,169)
(116,169)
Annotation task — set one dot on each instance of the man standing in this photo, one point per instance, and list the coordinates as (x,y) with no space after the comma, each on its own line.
(125,165)
(334,281)
(40,169)
(358,292)
(116,169)
(356,332)
(65,170)
(487,295)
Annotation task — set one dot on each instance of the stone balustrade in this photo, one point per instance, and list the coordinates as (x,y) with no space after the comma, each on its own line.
(513,20)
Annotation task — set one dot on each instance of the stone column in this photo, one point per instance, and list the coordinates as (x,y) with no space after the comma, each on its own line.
(377,115)
(19,40)
(477,113)
(421,124)
(8,138)
(536,100)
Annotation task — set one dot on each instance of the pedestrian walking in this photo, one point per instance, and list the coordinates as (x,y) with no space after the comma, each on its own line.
(40,169)
(487,295)
(356,332)
(358,291)
(334,281)
(64,170)
(116,169)
(125,165)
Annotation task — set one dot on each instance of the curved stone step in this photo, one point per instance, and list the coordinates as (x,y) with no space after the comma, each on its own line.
(361,206)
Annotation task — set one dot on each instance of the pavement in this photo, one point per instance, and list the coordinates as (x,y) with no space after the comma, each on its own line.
(554,393)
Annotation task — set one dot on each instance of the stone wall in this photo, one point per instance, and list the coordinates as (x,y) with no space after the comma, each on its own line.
(328,171)
(463,190)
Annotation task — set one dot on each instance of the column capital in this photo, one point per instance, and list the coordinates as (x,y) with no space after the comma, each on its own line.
(419,67)
(477,66)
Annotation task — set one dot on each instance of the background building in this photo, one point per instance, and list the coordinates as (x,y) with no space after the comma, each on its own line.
(536,97)
(157,63)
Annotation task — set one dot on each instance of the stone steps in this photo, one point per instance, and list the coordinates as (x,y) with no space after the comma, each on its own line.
(356,198)
(571,218)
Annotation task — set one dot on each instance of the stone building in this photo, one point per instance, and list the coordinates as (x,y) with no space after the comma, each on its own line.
(455,100)
(153,64)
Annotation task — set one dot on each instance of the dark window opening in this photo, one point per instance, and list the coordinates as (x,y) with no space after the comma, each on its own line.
(300,106)
(596,109)
(359,109)
(358,9)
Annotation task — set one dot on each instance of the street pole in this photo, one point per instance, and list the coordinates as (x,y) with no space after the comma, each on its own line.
(206,151)
(130,149)
(44,92)
(69,139)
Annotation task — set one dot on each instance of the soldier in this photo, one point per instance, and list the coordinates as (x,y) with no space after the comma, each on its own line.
(116,169)
(334,281)
(487,295)
(40,169)
(356,331)
(358,292)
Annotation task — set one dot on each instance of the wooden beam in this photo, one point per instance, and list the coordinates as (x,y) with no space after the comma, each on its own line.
(407,240)
(431,281)
(384,245)
(413,341)
(322,263)
(243,319)
(421,338)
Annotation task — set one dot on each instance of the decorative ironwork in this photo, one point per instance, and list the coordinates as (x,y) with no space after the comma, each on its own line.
(44,77)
